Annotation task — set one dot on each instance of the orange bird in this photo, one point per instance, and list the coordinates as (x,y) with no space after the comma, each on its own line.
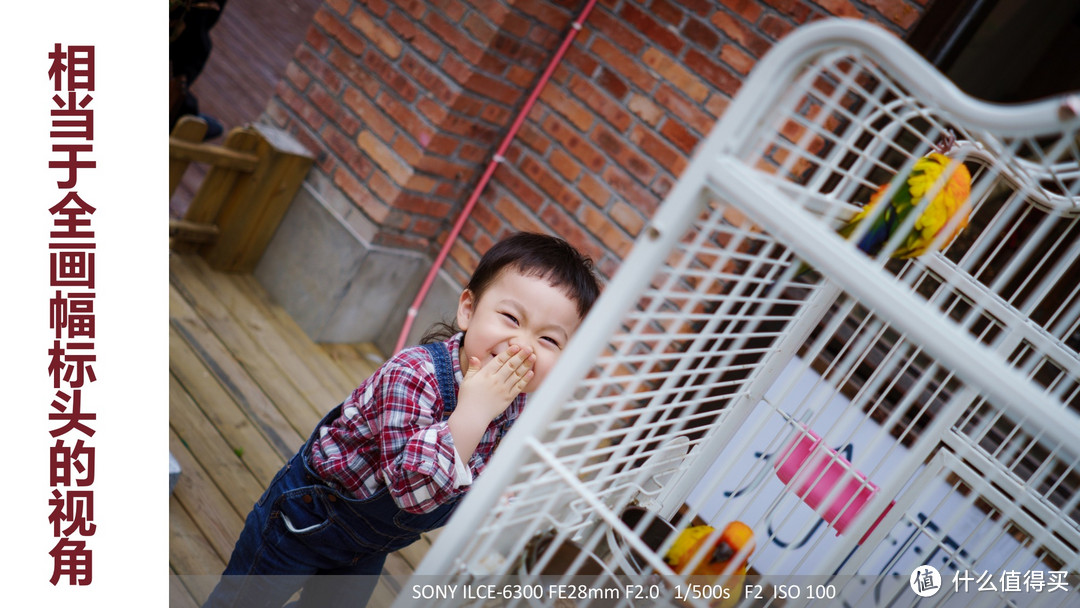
(735,538)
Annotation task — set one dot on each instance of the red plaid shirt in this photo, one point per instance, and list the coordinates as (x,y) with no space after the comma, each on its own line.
(392,432)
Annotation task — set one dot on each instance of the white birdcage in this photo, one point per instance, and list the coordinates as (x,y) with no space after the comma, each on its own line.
(866,420)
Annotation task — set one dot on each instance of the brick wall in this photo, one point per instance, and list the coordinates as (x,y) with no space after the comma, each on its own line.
(404,102)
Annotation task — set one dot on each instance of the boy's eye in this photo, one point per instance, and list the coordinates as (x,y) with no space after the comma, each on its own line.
(511,317)
(552,341)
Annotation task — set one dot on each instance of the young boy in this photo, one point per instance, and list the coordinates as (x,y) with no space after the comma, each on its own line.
(394,459)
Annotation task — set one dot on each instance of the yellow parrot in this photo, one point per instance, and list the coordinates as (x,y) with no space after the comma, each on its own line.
(950,200)
(735,537)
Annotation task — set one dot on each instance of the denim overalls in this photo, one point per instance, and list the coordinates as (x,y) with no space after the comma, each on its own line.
(302,526)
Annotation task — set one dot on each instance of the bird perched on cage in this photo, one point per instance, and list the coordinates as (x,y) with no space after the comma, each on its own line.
(925,178)
(947,180)
(736,541)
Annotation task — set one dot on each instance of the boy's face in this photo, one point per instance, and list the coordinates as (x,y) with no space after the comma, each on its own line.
(517,309)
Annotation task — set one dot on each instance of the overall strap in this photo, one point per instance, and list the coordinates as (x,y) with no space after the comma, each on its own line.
(444,373)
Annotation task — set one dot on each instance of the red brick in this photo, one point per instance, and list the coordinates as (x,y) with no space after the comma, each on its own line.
(664,155)
(407,150)
(644,108)
(333,109)
(530,136)
(300,106)
(654,31)
(552,16)
(453,35)
(796,9)
(678,135)
(425,226)
(577,114)
(496,114)
(737,59)
(446,168)
(337,30)
(297,76)
(612,83)
(594,190)
(518,217)
(572,141)
(699,7)
(484,215)
(432,82)
(538,172)
(525,193)
(677,74)
(775,27)
(319,68)
(423,205)
(454,10)
(757,45)
(345,148)
(472,153)
(383,156)
(416,37)
(624,64)
(897,11)
(521,76)
(715,73)
(700,34)
(317,40)
(360,196)
(626,216)
(390,75)
(624,155)
(355,72)
(581,60)
(662,186)
(405,118)
(601,226)
(415,8)
(520,53)
(565,166)
(749,10)
(372,117)
(401,241)
(616,29)
(382,187)
(563,224)
(341,6)
(631,191)
(839,8)
(376,6)
(374,31)
(485,86)
(667,11)
(716,105)
(686,110)
(600,103)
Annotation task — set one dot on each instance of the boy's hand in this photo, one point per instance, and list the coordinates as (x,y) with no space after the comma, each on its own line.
(490,389)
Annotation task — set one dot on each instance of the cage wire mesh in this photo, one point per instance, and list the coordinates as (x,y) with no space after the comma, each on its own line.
(865,419)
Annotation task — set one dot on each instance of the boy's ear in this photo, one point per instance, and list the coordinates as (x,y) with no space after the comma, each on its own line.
(465,309)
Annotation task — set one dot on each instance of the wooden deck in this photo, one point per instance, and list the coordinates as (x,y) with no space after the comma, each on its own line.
(246,388)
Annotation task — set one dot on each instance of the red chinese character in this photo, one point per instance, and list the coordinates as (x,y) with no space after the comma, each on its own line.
(76,508)
(73,420)
(74,119)
(79,67)
(71,268)
(72,210)
(72,164)
(72,559)
(65,459)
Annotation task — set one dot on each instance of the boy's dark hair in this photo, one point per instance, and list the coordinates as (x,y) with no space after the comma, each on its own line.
(536,255)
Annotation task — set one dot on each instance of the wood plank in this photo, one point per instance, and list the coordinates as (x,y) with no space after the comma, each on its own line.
(188,129)
(219,521)
(179,596)
(260,456)
(191,554)
(313,357)
(250,311)
(244,333)
(359,364)
(232,376)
